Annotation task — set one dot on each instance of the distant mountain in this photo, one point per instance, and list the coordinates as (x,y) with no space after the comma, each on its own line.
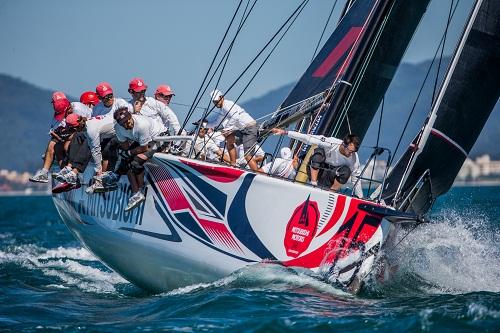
(25,113)
(24,123)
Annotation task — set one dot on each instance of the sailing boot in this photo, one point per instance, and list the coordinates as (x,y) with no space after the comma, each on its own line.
(60,175)
(135,200)
(41,176)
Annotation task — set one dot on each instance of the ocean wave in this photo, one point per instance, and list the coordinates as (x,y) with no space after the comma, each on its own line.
(72,267)
(456,253)
(266,276)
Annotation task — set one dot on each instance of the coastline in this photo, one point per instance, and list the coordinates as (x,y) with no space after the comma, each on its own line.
(457,183)
(25,194)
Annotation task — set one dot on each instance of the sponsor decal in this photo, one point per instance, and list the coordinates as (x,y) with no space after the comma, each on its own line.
(301,228)
(107,206)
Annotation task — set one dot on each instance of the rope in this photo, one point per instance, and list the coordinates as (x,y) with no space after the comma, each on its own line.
(225,57)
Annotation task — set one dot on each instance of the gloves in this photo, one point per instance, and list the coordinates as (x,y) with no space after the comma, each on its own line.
(176,150)
(125,154)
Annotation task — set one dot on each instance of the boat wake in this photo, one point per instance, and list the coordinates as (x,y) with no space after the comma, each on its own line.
(63,267)
(270,277)
(456,253)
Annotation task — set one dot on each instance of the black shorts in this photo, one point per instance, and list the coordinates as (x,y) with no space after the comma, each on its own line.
(328,173)
(109,149)
(79,152)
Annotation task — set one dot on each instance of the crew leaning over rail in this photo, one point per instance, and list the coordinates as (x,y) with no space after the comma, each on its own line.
(135,133)
(77,157)
(101,134)
(58,142)
(333,162)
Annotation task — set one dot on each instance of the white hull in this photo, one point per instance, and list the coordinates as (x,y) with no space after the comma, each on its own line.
(203,221)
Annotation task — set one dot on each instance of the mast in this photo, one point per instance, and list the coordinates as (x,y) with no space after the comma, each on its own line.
(466,98)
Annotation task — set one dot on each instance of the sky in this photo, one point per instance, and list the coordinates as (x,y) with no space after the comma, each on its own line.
(72,45)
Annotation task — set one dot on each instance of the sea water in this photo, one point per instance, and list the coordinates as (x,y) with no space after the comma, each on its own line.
(446,278)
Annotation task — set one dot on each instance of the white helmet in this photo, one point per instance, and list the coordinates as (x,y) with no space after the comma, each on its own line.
(216,95)
(286,153)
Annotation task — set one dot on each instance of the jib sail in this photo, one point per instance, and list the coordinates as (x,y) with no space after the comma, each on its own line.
(466,98)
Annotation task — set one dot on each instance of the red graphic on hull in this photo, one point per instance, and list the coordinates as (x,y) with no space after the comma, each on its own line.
(356,229)
(216,173)
(301,228)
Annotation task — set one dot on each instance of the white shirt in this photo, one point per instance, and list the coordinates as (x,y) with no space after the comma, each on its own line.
(237,118)
(144,131)
(161,112)
(333,155)
(78,108)
(102,110)
(97,129)
(217,137)
(281,167)
(81,110)
(206,147)
(240,153)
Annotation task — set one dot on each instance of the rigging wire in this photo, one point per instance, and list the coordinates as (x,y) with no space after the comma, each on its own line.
(213,60)
(441,55)
(324,29)
(289,21)
(420,92)
(302,6)
(224,58)
(295,14)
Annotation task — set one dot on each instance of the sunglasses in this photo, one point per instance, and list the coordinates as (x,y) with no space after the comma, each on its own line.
(346,147)
(108,96)
(164,96)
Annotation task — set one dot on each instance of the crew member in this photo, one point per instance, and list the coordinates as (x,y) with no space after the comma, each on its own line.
(77,157)
(205,148)
(164,94)
(90,100)
(150,107)
(62,107)
(100,129)
(284,166)
(237,123)
(337,159)
(135,133)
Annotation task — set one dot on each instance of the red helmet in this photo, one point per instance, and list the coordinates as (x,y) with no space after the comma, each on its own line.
(57,95)
(103,89)
(165,90)
(89,97)
(137,85)
(72,120)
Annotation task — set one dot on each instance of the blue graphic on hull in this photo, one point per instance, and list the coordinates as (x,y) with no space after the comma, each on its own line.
(180,226)
(240,225)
